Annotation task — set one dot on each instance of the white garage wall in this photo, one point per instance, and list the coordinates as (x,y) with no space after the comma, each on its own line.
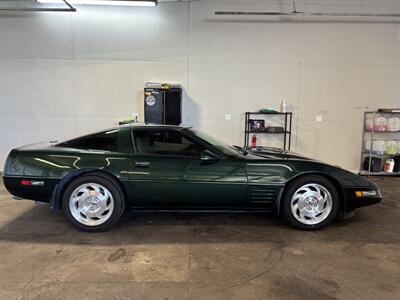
(65,74)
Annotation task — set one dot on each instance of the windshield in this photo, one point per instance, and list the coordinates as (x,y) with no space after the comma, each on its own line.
(221,146)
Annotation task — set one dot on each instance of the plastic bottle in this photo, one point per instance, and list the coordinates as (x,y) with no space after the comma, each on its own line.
(254,141)
(283,106)
(389,165)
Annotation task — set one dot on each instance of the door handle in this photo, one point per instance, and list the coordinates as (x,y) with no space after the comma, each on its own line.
(142,164)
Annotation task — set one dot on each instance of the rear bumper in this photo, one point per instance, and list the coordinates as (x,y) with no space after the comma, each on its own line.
(40,193)
(353,202)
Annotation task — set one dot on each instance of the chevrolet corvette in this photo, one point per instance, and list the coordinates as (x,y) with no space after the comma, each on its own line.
(173,168)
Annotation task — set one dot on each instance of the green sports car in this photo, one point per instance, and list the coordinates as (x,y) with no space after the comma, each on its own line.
(160,167)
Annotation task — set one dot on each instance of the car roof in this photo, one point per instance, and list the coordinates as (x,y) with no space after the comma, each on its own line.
(152,126)
(131,126)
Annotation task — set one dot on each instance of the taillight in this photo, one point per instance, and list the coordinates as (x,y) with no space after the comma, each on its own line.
(31,182)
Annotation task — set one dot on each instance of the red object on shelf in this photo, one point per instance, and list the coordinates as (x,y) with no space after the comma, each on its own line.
(254,141)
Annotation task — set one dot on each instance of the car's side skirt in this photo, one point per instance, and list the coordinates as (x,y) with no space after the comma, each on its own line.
(202,209)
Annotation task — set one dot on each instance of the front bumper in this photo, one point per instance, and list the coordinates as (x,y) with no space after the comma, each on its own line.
(370,197)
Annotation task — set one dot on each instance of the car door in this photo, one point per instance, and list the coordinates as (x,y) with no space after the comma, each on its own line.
(170,168)
(161,158)
(215,180)
(221,183)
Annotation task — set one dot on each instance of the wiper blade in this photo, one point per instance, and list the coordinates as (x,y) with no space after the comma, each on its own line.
(241,150)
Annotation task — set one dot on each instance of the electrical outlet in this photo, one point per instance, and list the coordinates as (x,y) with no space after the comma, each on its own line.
(318,118)
(228,117)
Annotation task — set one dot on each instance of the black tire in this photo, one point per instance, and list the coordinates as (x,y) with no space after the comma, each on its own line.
(111,185)
(294,186)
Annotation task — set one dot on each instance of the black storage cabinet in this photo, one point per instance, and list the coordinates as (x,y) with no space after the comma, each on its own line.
(163,105)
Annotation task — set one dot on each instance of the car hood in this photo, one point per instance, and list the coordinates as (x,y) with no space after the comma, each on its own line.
(288,165)
(271,152)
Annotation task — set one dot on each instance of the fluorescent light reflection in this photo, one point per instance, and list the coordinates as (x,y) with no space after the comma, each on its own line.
(101,2)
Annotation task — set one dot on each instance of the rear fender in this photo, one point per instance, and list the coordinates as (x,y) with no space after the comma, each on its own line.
(62,185)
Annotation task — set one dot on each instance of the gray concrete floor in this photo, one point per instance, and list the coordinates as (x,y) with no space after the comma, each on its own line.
(197,256)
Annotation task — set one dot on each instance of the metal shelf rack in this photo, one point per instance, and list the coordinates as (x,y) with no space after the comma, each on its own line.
(371,136)
(287,131)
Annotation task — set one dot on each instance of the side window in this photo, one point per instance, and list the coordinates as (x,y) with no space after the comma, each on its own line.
(165,142)
(106,141)
(78,143)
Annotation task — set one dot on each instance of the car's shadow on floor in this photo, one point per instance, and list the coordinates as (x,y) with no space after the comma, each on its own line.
(39,224)
(25,222)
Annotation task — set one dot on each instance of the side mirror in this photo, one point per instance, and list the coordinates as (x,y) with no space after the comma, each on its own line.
(208,156)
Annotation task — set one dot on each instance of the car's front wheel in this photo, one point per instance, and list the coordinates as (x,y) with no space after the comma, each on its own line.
(93,202)
(310,203)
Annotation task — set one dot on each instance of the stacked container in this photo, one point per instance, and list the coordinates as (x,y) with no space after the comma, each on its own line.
(391,147)
(381,142)
(379,147)
(393,124)
(381,124)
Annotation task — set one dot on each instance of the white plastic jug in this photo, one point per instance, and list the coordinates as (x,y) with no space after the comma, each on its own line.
(389,165)
(367,145)
(393,124)
(379,147)
(369,124)
(392,147)
(381,124)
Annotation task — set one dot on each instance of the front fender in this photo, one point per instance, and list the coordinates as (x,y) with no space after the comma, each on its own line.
(332,179)
(281,173)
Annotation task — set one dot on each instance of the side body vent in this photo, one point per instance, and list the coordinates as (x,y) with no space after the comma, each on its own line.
(262,194)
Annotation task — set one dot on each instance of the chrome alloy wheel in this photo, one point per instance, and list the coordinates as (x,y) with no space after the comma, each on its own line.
(311,204)
(91,204)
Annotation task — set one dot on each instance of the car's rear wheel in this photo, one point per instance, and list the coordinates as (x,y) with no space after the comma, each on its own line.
(93,202)
(310,203)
